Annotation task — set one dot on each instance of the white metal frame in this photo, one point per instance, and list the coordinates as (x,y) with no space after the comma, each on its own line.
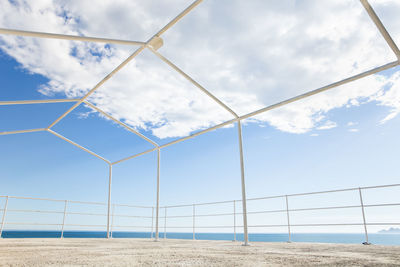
(153,44)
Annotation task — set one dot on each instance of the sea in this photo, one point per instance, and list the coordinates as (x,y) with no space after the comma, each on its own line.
(345,238)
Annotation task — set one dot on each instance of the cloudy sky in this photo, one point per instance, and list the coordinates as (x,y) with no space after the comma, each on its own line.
(250,54)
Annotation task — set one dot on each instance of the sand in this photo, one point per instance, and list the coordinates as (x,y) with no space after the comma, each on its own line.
(170,252)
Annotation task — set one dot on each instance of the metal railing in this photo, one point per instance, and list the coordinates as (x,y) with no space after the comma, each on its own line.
(286,210)
(194,216)
(5,210)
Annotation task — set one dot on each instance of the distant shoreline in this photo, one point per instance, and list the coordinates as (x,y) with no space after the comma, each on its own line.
(390,231)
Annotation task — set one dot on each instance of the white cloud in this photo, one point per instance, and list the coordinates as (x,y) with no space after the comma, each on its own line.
(250,54)
(353,130)
(327,125)
(351,123)
(314,134)
(390,97)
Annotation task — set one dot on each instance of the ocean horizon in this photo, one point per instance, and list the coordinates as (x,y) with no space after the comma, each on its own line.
(340,238)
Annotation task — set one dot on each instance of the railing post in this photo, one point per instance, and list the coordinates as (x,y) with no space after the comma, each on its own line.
(364,221)
(244,205)
(152,218)
(165,224)
(4,217)
(234,220)
(112,220)
(158,194)
(288,218)
(109,201)
(65,213)
(194,220)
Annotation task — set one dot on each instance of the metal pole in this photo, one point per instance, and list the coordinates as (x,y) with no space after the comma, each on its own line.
(4,217)
(288,219)
(364,221)
(68,37)
(245,232)
(158,192)
(109,201)
(120,123)
(378,23)
(152,218)
(65,213)
(165,224)
(41,101)
(112,220)
(234,220)
(194,220)
(23,131)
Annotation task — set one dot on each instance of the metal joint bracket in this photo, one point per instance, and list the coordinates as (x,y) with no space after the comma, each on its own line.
(155,43)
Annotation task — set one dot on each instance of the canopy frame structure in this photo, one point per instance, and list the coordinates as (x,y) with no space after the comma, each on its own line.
(149,44)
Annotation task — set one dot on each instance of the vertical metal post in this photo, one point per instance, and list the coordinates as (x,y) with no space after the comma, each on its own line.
(65,214)
(112,220)
(4,217)
(152,218)
(288,219)
(364,221)
(194,221)
(234,220)
(165,223)
(109,201)
(244,206)
(158,192)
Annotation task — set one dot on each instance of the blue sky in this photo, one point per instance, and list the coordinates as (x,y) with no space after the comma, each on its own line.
(202,169)
(340,139)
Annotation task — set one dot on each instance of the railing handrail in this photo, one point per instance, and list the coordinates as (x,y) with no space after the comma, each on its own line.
(204,203)
(282,196)
(77,202)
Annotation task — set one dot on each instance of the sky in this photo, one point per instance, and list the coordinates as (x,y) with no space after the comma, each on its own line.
(250,55)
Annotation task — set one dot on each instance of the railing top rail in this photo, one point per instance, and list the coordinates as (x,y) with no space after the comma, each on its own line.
(57,200)
(206,203)
(132,206)
(74,201)
(198,204)
(326,191)
(282,196)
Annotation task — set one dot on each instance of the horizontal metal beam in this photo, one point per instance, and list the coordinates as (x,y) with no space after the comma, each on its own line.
(42,101)
(378,23)
(201,132)
(23,131)
(134,156)
(179,17)
(274,106)
(121,123)
(187,77)
(322,89)
(68,37)
(77,145)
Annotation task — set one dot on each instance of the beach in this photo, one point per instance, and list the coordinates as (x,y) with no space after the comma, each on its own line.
(173,252)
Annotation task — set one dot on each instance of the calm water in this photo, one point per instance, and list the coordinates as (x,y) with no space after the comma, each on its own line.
(382,239)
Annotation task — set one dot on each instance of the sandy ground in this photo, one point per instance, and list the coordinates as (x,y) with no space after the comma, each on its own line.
(144,252)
